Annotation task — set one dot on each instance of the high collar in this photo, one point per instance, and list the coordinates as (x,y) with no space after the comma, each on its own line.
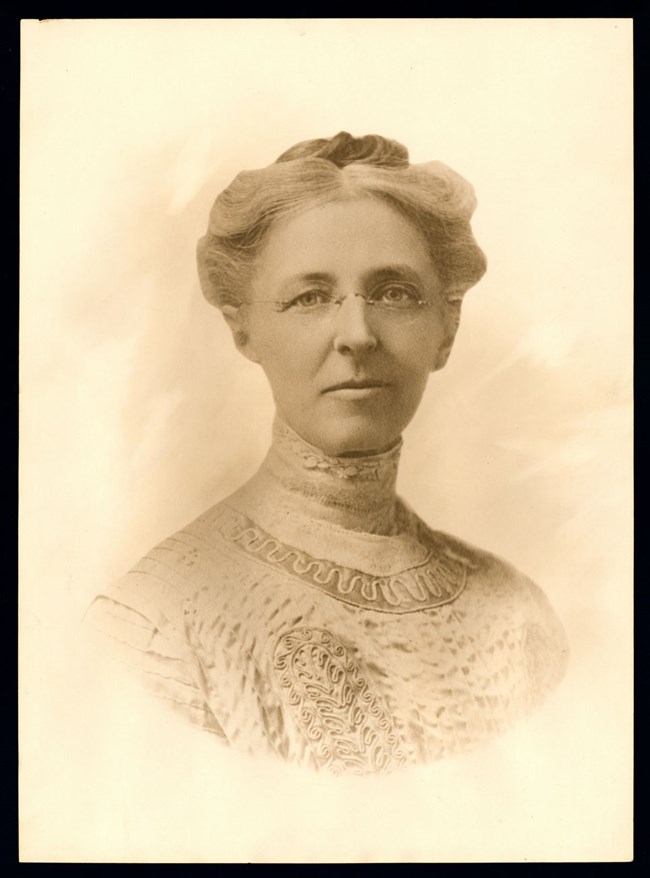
(353,493)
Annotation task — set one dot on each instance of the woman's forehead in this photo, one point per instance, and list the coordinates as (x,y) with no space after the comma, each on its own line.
(361,234)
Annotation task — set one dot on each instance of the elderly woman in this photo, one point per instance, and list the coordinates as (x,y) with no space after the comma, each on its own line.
(312,614)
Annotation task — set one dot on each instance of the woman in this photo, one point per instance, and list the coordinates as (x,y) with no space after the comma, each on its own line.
(312,614)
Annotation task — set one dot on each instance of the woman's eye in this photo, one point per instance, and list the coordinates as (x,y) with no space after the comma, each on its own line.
(310,298)
(396,294)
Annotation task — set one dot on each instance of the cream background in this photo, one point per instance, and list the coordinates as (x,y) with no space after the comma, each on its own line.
(137,413)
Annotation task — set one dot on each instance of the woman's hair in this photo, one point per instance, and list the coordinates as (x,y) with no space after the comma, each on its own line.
(437,200)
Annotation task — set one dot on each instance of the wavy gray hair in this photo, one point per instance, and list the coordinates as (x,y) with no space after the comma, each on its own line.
(437,200)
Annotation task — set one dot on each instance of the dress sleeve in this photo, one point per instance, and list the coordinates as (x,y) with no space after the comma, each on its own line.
(546,644)
(143,639)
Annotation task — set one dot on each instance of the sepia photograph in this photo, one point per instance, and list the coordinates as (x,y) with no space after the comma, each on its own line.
(326,440)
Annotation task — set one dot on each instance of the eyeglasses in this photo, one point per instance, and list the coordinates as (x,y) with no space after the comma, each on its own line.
(394,301)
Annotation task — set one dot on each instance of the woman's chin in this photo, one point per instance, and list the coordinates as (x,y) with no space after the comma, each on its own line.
(349,439)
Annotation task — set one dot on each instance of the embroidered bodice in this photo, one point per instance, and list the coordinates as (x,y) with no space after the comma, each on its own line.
(314,616)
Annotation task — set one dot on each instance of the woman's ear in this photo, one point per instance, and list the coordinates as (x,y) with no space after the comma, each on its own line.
(452,321)
(443,353)
(234,317)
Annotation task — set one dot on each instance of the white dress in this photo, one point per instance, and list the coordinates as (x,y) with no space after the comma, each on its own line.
(312,615)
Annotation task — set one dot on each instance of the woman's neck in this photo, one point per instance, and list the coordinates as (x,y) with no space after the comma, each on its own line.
(355,493)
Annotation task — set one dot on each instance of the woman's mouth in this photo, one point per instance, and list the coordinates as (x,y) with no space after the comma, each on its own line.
(356,389)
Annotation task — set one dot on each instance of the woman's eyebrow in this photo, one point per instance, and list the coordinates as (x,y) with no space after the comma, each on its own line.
(394,272)
(312,277)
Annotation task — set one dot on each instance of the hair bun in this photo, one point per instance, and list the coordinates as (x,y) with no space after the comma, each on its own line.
(344,149)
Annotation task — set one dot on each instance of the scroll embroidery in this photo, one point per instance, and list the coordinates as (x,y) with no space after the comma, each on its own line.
(347,726)
(438,580)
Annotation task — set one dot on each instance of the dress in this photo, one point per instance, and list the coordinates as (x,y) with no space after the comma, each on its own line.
(314,616)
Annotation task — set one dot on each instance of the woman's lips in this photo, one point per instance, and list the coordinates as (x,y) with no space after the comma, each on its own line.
(356,389)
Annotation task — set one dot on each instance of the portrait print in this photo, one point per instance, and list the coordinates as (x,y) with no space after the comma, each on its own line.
(327,402)
(311,614)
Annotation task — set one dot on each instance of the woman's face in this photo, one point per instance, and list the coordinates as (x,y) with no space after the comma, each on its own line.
(346,377)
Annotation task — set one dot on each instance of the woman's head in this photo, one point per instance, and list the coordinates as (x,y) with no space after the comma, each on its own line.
(437,200)
(342,265)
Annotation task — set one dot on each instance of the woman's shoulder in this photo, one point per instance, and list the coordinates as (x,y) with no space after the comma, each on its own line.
(162,580)
(139,620)
(486,570)
(143,613)
(496,588)
(498,581)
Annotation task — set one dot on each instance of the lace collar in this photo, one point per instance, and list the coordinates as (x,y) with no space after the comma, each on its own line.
(338,517)
(294,450)
(299,482)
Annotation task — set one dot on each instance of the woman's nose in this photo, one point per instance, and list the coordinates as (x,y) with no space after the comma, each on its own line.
(353,332)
